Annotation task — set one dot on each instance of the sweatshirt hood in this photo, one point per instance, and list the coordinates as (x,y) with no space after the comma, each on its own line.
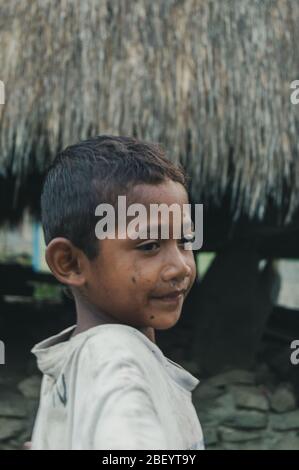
(51,353)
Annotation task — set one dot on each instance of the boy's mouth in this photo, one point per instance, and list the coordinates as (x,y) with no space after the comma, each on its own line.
(172,295)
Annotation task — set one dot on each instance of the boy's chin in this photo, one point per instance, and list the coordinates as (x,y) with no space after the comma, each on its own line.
(164,322)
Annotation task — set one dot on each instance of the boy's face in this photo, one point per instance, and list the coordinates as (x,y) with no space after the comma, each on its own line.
(128,276)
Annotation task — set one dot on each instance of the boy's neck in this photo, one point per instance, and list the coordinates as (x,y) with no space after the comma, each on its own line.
(88,317)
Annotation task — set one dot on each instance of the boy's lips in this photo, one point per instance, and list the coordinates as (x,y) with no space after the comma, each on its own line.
(175,294)
(172,300)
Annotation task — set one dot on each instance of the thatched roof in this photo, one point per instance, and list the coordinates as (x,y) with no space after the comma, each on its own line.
(210,80)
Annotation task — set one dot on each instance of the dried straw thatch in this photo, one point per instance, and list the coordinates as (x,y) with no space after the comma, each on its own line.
(208,79)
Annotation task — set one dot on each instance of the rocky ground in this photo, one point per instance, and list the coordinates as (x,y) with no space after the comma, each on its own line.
(238,411)
(19,393)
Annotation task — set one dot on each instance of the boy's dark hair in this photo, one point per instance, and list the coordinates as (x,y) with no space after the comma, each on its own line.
(96,171)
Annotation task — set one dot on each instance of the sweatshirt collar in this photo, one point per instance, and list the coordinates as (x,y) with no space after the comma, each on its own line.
(52,353)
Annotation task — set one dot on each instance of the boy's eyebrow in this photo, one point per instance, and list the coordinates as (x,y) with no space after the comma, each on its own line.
(159,226)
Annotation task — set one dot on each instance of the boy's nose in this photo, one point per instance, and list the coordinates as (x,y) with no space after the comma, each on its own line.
(177,268)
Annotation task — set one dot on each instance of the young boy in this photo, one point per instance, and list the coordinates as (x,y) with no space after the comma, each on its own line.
(106,383)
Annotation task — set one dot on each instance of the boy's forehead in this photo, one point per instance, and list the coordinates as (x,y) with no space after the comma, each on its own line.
(168,192)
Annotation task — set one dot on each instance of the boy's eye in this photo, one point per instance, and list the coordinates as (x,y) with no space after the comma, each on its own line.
(147,246)
(151,246)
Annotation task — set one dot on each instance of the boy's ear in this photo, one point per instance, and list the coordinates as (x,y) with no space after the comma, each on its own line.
(66,262)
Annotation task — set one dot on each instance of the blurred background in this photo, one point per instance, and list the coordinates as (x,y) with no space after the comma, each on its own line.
(210,80)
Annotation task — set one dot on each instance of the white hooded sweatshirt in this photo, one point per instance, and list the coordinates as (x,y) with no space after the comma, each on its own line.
(110,387)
